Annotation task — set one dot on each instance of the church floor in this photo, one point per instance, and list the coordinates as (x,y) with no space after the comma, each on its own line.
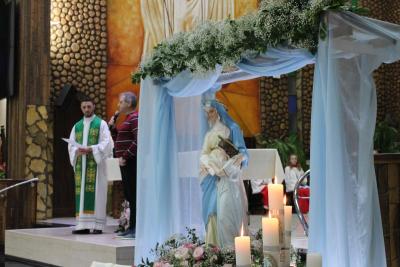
(57,246)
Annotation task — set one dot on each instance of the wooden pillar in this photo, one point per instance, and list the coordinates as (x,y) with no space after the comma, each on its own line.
(27,110)
(387,168)
(33,77)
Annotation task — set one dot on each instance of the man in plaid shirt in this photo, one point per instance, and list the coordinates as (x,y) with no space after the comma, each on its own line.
(125,138)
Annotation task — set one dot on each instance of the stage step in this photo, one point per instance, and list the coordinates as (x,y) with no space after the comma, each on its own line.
(57,246)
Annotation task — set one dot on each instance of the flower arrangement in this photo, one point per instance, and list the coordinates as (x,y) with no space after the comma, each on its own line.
(123,221)
(293,23)
(191,251)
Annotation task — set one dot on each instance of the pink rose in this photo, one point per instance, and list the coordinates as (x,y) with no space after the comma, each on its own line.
(215,249)
(189,246)
(198,253)
(161,264)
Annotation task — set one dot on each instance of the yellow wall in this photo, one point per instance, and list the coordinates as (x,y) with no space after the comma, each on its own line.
(125,47)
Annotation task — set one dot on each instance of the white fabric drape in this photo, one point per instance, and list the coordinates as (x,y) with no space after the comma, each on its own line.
(345,219)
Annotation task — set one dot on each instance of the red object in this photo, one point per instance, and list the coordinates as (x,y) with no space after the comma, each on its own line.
(304,204)
(264,194)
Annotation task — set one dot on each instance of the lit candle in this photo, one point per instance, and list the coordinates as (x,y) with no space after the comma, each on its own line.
(242,250)
(275,196)
(287,216)
(270,230)
(314,260)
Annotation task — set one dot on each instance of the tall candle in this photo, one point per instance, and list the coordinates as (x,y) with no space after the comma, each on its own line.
(242,250)
(314,260)
(270,230)
(287,216)
(275,196)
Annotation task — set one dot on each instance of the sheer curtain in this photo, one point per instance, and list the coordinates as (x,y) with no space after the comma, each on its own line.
(345,219)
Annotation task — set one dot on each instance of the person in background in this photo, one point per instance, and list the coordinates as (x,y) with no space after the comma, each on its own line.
(125,137)
(293,172)
(89,146)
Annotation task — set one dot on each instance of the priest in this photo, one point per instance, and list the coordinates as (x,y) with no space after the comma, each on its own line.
(90,144)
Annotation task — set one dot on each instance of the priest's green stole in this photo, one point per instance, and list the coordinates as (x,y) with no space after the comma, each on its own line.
(91,167)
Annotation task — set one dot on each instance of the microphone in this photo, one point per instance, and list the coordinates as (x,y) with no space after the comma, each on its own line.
(115,117)
(116,114)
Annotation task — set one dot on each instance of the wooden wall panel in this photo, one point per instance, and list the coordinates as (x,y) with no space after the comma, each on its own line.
(387,168)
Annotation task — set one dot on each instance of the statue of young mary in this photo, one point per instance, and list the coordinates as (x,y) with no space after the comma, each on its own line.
(223,156)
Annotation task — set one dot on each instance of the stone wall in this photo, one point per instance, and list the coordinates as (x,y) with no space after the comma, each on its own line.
(387,77)
(78,48)
(304,89)
(274,107)
(39,156)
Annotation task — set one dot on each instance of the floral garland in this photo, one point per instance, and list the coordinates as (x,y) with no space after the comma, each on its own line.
(293,23)
(190,251)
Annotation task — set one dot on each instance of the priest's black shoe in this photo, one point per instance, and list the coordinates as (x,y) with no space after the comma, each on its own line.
(81,232)
(97,232)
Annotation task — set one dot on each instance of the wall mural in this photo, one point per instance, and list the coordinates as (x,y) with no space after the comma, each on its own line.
(146,22)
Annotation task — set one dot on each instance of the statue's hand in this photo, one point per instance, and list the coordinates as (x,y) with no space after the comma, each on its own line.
(237,160)
(203,170)
(221,173)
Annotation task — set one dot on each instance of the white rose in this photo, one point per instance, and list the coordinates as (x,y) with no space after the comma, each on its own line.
(182,253)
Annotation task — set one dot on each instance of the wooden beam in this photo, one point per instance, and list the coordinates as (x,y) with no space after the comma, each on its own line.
(33,72)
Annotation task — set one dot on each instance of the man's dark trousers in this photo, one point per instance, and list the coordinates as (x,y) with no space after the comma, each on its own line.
(128,173)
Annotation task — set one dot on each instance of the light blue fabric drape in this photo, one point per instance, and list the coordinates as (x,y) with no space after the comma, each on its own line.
(345,220)
(171,130)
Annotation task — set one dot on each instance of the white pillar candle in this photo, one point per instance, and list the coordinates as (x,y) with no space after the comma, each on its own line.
(270,230)
(288,216)
(243,251)
(275,196)
(314,260)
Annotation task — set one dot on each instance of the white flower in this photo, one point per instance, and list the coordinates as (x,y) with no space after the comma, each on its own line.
(182,253)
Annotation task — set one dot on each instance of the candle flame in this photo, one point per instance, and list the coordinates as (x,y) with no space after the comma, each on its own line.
(284,200)
(241,230)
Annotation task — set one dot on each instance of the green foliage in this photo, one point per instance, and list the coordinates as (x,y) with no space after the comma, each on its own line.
(285,146)
(292,23)
(386,138)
